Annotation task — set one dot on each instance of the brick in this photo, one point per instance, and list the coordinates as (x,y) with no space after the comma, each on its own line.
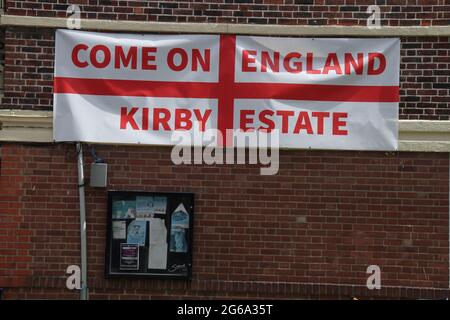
(226,245)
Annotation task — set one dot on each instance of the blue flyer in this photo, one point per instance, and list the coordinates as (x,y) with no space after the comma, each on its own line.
(124,209)
(137,231)
(178,229)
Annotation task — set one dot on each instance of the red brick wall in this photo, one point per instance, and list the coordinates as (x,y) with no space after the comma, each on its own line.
(321,221)
(304,12)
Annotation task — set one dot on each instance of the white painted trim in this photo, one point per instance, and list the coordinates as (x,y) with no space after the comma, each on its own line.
(424,135)
(425,126)
(225,28)
(424,146)
(26,126)
(27,116)
(36,126)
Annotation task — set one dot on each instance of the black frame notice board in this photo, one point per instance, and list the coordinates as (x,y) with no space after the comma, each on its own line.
(149,234)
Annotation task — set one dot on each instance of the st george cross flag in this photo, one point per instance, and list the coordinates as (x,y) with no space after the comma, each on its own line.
(319,93)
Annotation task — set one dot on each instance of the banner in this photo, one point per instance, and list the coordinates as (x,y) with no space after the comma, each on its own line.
(317,93)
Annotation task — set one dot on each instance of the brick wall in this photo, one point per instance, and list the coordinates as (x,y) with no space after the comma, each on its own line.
(304,12)
(310,231)
(15,243)
(322,220)
(28,73)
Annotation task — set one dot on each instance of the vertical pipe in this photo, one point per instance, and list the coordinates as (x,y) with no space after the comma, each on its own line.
(84,287)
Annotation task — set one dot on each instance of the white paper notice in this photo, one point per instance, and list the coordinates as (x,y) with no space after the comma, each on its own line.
(158,231)
(119,229)
(157,256)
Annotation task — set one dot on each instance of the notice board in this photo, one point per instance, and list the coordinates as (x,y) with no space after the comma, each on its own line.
(149,234)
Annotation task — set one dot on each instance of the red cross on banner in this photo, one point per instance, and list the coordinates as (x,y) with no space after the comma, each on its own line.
(335,95)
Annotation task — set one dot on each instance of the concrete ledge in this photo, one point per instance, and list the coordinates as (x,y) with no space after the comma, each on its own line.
(421,135)
(225,28)
(36,126)
(26,126)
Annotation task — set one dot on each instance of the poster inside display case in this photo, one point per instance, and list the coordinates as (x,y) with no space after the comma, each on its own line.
(149,234)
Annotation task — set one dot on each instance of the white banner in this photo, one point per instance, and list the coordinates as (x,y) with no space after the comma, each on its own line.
(139,89)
